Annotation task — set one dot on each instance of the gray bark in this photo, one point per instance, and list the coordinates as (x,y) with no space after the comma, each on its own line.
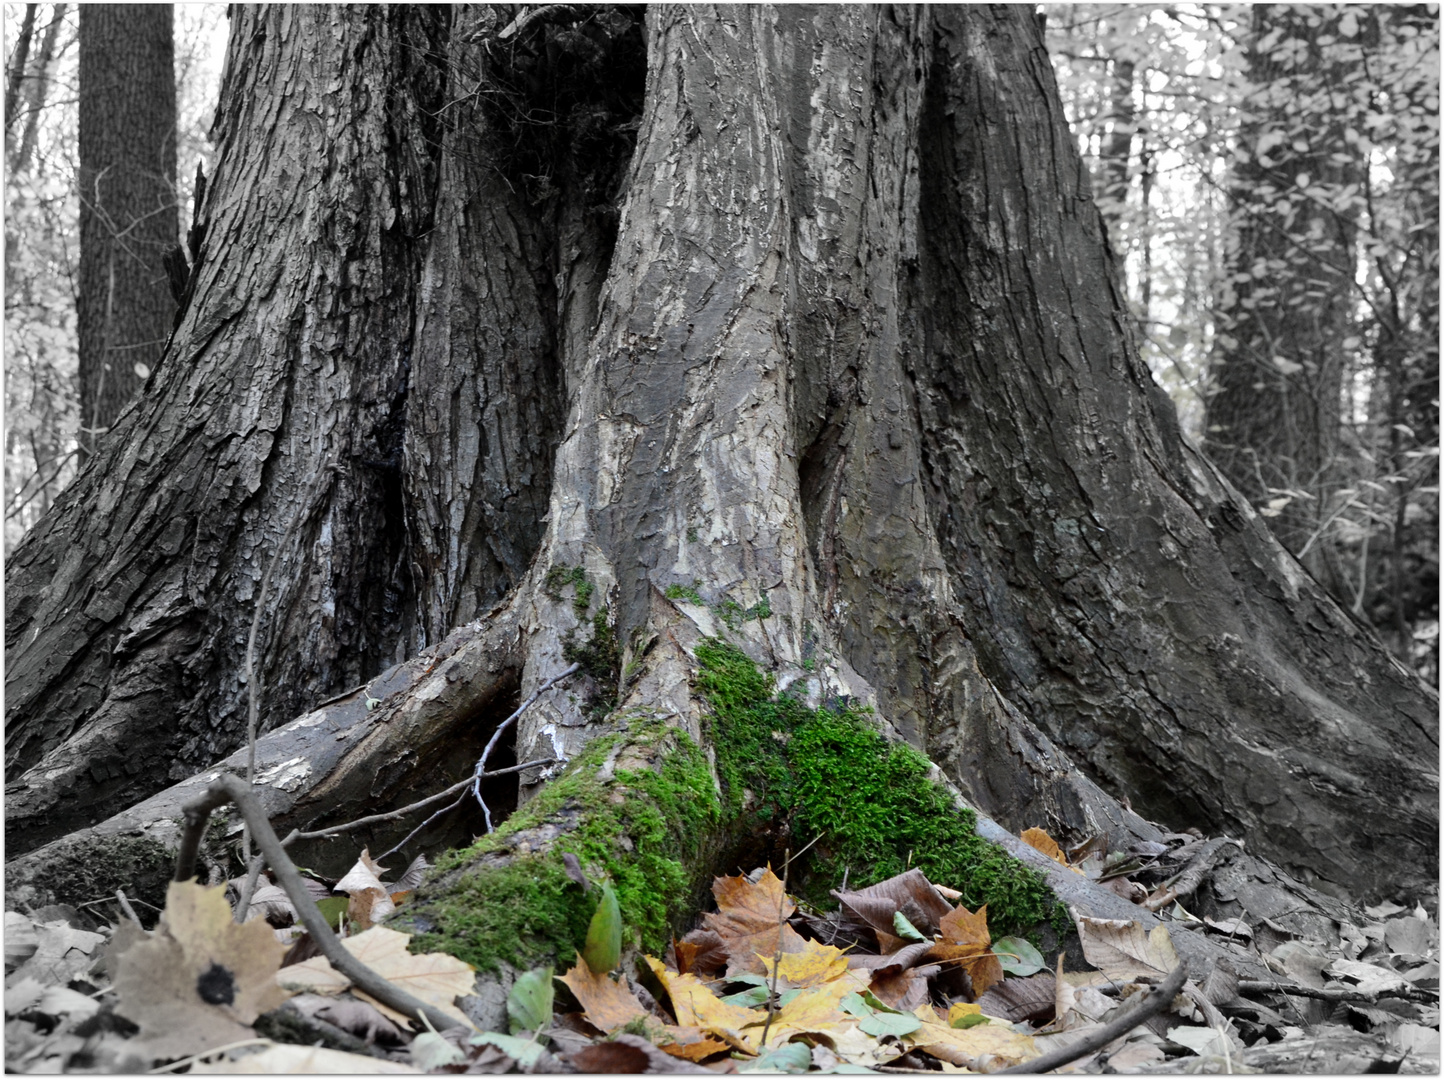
(128,213)
(850,375)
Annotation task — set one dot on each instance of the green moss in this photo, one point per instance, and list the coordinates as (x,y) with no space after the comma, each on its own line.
(641,827)
(685,592)
(601,658)
(560,576)
(641,808)
(830,773)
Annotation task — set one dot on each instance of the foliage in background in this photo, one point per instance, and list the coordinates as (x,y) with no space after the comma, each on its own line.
(1197,121)
(42,232)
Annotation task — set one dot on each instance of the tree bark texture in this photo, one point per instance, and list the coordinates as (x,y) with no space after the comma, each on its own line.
(833,364)
(128,212)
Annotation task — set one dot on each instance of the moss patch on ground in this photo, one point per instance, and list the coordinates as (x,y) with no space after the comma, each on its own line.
(830,773)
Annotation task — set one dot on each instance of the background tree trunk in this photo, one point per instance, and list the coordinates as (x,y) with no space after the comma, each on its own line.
(846,380)
(128,215)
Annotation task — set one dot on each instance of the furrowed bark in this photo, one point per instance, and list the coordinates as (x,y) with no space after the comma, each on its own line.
(129,603)
(1119,592)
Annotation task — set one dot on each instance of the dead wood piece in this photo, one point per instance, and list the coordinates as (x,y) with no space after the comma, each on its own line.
(1191,876)
(1336,993)
(233,789)
(1157,1000)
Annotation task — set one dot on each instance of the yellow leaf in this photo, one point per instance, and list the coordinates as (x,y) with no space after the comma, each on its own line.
(985,1047)
(1037,838)
(814,1010)
(696,1006)
(960,1009)
(816,963)
(606,1003)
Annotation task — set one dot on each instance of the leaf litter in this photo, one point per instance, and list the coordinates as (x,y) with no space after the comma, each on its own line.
(898,975)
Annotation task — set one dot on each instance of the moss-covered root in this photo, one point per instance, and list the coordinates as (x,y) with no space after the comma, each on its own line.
(644,808)
(639,807)
(870,805)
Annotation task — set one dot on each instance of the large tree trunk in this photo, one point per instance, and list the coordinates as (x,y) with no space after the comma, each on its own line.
(128,212)
(847,381)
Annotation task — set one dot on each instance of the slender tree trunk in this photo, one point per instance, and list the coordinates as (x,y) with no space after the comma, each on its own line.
(1273,415)
(833,365)
(15,68)
(128,214)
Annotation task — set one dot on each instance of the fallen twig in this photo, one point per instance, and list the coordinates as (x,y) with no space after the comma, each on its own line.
(234,789)
(1336,993)
(1157,1000)
(496,736)
(125,906)
(1191,876)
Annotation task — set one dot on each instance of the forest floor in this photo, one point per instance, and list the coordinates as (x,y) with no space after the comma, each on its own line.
(892,977)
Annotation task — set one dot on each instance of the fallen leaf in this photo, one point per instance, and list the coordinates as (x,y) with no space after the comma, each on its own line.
(963,927)
(1123,950)
(529,1005)
(983,1048)
(1017,957)
(902,988)
(429,1052)
(1031,1000)
(370,897)
(1038,839)
(694,1005)
(701,952)
(877,1019)
(1372,978)
(751,919)
(61,952)
(607,1003)
(909,893)
(811,965)
(436,978)
(360,1018)
(283,1058)
(21,941)
(412,876)
(200,978)
(271,903)
(524,1052)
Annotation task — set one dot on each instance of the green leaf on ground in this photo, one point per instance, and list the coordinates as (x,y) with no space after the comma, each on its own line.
(529,1005)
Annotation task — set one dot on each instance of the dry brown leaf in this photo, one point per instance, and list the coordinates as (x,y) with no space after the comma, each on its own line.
(436,978)
(606,1003)
(701,952)
(750,919)
(200,978)
(370,896)
(909,893)
(902,988)
(1123,950)
(1039,840)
